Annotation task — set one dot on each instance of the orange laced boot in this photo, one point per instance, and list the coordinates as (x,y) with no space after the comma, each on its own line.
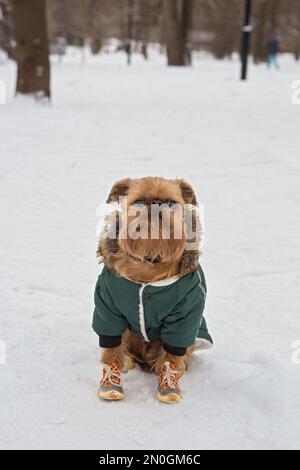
(168,384)
(111,385)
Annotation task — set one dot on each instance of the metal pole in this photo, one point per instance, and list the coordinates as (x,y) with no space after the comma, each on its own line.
(246,33)
(129,30)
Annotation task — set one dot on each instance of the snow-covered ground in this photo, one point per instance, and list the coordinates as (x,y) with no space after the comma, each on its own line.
(239,145)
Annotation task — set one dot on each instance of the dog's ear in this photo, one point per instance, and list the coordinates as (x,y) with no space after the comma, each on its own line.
(187,192)
(120,188)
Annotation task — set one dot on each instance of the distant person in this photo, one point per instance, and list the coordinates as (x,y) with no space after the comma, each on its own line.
(272,52)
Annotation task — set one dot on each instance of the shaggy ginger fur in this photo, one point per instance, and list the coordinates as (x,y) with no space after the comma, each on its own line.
(148,260)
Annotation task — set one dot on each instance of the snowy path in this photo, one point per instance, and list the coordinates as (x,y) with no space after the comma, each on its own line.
(239,146)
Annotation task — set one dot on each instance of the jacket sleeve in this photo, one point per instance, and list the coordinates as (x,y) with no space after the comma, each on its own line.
(181,326)
(107,320)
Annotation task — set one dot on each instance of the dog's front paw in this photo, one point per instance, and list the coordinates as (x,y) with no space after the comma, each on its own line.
(111,386)
(168,390)
(129,363)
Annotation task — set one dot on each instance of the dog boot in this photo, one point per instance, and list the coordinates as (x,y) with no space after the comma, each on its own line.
(111,386)
(168,384)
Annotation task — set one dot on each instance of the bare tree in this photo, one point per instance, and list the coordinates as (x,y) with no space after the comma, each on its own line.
(225,20)
(260,32)
(267,21)
(183,25)
(32,55)
(147,19)
(6,30)
(178,15)
(187,26)
(290,22)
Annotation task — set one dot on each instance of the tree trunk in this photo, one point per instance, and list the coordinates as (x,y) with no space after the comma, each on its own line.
(275,7)
(32,53)
(187,25)
(297,48)
(6,33)
(173,33)
(260,33)
(96,46)
(145,50)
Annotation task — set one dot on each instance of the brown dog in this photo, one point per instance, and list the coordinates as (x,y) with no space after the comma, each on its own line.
(157,252)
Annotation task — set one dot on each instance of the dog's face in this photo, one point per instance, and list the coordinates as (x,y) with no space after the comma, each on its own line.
(152,222)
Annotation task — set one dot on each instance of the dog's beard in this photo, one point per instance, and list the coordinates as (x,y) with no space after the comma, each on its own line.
(153,251)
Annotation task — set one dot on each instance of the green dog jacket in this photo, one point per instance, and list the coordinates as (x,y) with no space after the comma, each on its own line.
(170,310)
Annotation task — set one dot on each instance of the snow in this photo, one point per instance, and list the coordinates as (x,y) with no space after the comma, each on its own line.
(238,144)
